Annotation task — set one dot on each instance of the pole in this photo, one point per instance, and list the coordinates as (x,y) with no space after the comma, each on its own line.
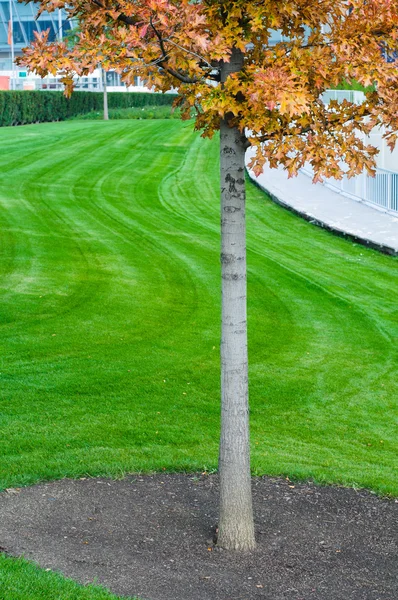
(60,30)
(105,92)
(12,82)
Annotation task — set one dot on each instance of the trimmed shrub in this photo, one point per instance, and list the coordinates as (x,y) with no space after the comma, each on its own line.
(23,107)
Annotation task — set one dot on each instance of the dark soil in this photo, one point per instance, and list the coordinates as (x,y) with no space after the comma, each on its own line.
(151,536)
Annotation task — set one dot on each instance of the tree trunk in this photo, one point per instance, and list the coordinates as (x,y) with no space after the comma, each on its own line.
(236,526)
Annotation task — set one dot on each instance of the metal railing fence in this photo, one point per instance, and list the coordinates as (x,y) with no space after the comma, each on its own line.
(380,191)
(354,96)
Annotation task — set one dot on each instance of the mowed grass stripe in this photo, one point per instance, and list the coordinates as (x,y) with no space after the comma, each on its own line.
(156,272)
(315,326)
(110,317)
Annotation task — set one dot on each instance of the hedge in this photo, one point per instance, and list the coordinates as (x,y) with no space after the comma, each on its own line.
(23,107)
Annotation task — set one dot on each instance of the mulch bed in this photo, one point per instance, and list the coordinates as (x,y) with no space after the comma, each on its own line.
(151,536)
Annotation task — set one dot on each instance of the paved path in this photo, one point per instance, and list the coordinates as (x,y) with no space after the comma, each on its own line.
(322,206)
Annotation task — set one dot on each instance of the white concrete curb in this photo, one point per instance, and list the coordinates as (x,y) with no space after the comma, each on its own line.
(330,210)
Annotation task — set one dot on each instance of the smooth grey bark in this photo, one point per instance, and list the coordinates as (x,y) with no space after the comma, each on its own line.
(236,526)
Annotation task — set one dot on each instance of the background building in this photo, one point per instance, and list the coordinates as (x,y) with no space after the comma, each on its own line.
(20,20)
(17,27)
(18,24)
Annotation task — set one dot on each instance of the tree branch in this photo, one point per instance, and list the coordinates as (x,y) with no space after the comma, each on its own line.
(164,58)
(203,60)
(304,130)
(121,17)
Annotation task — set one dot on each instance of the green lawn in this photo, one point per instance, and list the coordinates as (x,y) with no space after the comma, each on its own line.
(20,580)
(140,113)
(110,301)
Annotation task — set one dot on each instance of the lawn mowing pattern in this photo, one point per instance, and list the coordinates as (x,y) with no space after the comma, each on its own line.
(109,283)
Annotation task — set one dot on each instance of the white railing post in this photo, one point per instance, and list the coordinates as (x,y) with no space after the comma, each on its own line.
(389,191)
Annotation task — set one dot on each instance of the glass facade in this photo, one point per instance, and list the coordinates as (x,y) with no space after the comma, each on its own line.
(24,26)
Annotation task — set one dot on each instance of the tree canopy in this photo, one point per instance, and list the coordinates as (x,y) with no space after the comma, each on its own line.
(276,93)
